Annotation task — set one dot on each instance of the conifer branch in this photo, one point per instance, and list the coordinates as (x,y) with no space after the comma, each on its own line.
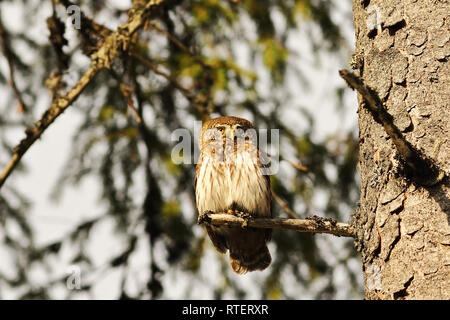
(114,44)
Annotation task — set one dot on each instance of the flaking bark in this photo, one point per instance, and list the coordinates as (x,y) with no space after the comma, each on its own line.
(402,228)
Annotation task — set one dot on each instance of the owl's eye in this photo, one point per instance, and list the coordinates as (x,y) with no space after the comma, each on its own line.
(221,129)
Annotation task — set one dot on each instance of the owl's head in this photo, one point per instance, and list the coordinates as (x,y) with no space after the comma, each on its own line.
(228,127)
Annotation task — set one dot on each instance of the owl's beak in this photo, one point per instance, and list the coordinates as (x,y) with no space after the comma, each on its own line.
(230,133)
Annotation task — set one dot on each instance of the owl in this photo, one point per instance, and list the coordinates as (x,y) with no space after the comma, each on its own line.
(230,178)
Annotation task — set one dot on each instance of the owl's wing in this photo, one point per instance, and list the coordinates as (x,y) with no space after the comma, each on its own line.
(197,171)
(268,235)
(218,240)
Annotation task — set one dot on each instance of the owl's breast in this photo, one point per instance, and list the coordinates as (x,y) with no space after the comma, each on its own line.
(222,184)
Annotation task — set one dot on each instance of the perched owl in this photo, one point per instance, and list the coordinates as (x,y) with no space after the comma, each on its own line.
(230,178)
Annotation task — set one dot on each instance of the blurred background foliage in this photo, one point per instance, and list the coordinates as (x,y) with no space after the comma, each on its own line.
(197,58)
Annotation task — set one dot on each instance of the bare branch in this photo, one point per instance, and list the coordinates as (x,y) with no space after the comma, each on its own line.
(313,224)
(32,134)
(114,44)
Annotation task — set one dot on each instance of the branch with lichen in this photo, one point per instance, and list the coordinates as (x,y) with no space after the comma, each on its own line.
(312,224)
(421,168)
(88,26)
(113,45)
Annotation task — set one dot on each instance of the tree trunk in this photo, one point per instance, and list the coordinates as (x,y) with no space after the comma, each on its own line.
(403,230)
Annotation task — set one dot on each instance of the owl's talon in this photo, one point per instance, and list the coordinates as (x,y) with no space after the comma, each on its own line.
(204,217)
(245,216)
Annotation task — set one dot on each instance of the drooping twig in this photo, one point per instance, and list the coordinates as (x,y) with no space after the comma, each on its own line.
(178,43)
(312,224)
(284,205)
(421,168)
(195,100)
(294,164)
(113,45)
(148,63)
(4,42)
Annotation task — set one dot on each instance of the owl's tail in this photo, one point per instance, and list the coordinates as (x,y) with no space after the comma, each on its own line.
(244,261)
